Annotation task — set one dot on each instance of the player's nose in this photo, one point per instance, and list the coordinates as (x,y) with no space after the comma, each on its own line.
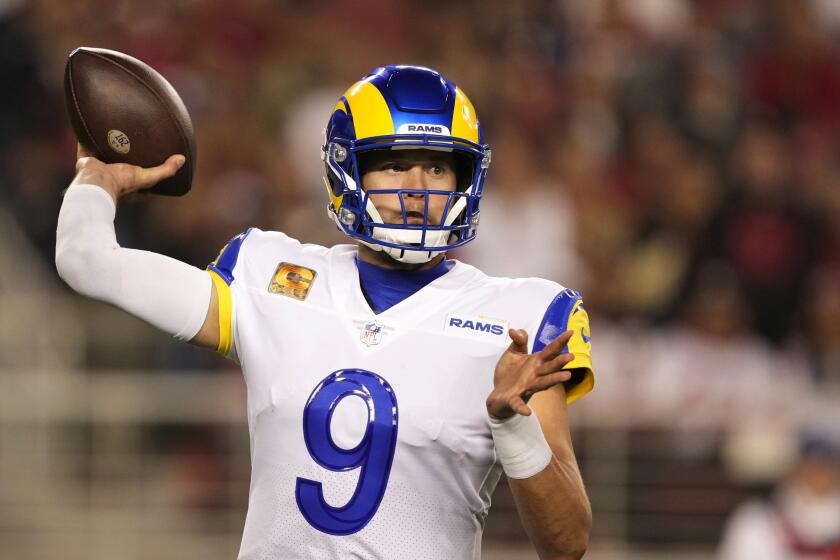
(415,178)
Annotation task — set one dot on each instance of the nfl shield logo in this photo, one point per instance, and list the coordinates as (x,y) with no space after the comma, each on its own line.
(372,333)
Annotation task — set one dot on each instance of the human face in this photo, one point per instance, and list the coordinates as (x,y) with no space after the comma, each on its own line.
(409,169)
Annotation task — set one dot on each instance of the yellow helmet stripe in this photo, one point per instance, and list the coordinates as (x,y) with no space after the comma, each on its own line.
(336,200)
(464,120)
(365,100)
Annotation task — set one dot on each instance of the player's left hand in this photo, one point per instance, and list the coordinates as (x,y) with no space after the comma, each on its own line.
(519,374)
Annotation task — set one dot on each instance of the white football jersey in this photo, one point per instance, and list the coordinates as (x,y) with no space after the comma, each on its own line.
(369,432)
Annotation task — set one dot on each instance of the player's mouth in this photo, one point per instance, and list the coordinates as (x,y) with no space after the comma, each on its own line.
(415,218)
(412,217)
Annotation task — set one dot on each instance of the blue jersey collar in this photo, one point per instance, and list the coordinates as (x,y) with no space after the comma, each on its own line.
(385,287)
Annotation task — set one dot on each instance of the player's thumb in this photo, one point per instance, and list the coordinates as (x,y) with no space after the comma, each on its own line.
(154,175)
(518,340)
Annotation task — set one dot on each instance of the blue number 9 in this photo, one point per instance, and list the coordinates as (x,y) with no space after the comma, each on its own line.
(374,453)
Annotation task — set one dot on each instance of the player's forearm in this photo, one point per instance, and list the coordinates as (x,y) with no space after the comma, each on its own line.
(169,294)
(554,508)
(550,496)
(86,243)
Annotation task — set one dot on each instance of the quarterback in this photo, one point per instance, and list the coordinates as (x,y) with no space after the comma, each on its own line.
(388,386)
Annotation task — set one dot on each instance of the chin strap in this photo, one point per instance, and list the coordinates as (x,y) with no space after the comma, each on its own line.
(403,255)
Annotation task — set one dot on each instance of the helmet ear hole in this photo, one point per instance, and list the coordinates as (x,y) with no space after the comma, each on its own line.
(364,160)
(464,169)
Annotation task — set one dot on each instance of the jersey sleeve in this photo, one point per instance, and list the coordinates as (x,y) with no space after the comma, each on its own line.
(566,312)
(222,271)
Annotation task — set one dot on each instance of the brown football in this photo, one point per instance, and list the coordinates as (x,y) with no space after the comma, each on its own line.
(123,111)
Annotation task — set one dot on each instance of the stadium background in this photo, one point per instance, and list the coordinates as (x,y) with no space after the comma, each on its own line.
(676,161)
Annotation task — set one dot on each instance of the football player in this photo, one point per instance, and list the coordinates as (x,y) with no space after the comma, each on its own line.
(388,386)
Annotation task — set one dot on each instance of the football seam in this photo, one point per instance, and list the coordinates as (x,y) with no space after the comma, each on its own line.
(160,100)
(80,114)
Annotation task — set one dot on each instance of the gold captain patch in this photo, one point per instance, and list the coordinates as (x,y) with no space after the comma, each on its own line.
(292,280)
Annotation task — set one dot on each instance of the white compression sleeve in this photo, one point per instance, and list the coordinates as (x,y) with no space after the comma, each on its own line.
(169,294)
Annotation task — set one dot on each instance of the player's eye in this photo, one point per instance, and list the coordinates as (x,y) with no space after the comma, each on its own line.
(439,170)
(393,166)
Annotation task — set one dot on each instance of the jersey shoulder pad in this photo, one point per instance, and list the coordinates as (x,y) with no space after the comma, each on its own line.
(260,244)
(537,287)
(273,245)
(225,263)
(527,292)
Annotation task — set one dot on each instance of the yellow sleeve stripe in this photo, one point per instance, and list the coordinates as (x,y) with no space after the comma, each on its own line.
(225,314)
(581,347)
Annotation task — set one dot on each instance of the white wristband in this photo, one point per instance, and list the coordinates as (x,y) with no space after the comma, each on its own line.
(520,445)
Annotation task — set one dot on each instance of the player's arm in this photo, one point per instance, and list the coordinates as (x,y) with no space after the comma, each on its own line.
(536,449)
(208,335)
(553,504)
(176,297)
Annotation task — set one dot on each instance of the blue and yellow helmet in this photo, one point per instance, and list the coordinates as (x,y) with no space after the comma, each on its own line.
(405,107)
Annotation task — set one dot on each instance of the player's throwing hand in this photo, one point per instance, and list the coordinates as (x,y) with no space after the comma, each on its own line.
(519,374)
(119,179)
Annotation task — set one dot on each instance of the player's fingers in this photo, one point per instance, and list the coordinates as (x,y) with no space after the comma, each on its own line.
(82,152)
(519,406)
(84,158)
(556,346)
(81,162)
(518,341)
(547,381)
(153,175)
(556,364)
